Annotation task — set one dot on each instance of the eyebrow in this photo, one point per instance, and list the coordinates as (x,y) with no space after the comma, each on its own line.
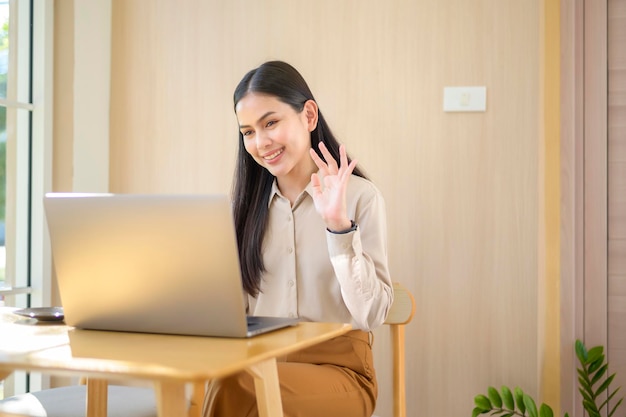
(260,118)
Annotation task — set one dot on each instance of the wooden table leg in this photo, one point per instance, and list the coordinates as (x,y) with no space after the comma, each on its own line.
(97,397)
(267,388)
(171,401)
(197,399)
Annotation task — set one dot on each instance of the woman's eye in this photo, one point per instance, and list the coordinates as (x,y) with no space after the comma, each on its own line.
(246,133)
(270,123)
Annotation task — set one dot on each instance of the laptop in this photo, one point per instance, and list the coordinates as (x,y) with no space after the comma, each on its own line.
(150,263)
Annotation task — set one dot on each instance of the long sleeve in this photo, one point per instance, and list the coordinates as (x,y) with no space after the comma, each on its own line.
(359,259)
(318,276)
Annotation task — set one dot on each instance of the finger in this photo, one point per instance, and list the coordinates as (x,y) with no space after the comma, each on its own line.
(321,165)
(348,171)
(315,183)
(330,161)
(343,157)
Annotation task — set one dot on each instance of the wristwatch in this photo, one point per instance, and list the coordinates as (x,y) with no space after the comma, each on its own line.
(353,227)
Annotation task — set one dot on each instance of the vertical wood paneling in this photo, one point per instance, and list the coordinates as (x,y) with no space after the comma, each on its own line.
(461,189)
(617,190)
(63,126)
(595,120)
(63,95)
(572,197)
(596,144)
(549,183)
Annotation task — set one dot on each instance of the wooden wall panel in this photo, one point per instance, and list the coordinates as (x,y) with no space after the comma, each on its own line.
(461,189)
(595,173)
(549,187)
(594,155)
(572,260)
(617,190)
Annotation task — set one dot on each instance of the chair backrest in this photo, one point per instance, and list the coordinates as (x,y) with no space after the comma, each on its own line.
(403,307)
(401,313)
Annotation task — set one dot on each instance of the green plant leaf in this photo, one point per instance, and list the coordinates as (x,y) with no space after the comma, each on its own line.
(507,415)
(604,385)
(476,412)
(595,365)
(530,405)
(581,352)
(545,411)
(615,407)
(585,386)
(585,395)
(507,398)
(494,397)
(590,407)
(609,398)
(599,374)
(518,394)
(594,354)
(482,402)
(566,415)
(583,375)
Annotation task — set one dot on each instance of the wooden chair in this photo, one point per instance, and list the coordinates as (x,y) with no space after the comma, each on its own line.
(401,313)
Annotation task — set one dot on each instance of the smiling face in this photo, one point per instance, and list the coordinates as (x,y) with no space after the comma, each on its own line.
(277,136)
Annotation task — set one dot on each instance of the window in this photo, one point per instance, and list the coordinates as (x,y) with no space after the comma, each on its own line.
(15,143)
(25,154)
(4,59)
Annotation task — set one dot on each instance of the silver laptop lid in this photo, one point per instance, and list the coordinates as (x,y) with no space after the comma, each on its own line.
(147,263)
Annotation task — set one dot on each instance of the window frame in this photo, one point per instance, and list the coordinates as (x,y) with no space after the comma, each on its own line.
(29,163)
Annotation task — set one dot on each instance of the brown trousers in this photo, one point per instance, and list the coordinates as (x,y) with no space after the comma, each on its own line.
(335,378)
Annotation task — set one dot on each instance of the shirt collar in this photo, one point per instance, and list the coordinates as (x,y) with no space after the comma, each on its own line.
(276,192)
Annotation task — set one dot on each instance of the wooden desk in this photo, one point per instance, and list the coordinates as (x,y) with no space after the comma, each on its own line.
(169,361)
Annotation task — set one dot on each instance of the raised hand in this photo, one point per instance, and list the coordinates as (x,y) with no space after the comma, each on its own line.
(329,187)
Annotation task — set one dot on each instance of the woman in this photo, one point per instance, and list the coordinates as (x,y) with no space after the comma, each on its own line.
(312,244)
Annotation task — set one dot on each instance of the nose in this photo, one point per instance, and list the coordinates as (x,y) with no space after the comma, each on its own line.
(262,140)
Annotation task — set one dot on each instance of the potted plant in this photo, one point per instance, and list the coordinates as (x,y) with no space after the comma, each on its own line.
(593,384)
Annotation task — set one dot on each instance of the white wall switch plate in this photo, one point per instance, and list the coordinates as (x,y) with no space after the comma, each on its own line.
(456,99)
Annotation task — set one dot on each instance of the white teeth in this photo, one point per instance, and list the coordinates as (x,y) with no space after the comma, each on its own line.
(274,155)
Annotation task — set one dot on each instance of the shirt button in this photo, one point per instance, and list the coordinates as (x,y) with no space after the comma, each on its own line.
(289,218)
(290,250)
(291,283)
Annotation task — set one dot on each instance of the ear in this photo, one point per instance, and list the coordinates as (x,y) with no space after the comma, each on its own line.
(310,112)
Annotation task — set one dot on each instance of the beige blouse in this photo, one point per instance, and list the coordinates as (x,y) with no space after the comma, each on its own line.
(321,276)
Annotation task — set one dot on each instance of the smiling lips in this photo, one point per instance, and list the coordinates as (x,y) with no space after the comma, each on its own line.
(273,155)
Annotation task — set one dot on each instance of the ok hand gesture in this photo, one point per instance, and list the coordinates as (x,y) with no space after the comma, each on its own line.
(329,187)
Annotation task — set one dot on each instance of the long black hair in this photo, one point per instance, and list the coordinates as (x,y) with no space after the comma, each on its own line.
(253,183)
